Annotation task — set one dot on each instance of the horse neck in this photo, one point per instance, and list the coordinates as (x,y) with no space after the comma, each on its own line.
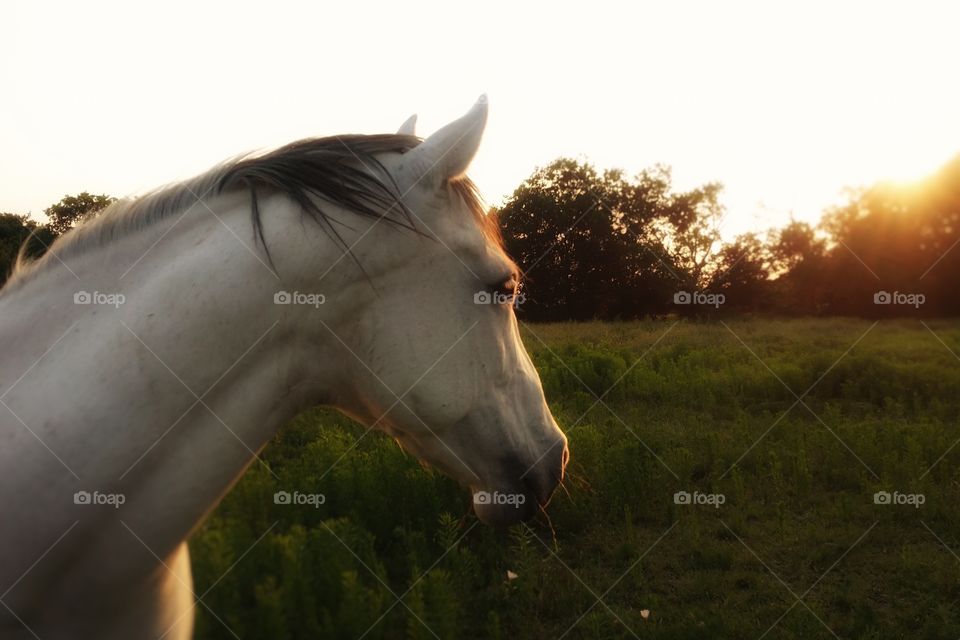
(165,398)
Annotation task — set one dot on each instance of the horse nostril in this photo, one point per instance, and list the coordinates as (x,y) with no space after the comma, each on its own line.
(542,478)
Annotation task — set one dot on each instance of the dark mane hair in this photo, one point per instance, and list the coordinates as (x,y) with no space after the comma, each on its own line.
(342,170)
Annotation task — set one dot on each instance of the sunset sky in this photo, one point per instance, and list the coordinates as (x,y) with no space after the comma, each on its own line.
(784,105)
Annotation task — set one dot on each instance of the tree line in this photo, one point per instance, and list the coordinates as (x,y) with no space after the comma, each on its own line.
(599,244)
(602,245)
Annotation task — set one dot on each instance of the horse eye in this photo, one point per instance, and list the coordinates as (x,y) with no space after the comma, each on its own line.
(506,291)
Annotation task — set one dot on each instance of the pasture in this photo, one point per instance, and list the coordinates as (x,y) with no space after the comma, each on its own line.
(778,433)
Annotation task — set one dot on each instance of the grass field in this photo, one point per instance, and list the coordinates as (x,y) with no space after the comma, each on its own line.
(799,547)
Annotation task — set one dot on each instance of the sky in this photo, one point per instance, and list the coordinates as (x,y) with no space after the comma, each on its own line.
(786,105)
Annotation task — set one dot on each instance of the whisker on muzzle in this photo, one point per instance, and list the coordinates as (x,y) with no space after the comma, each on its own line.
(549,523)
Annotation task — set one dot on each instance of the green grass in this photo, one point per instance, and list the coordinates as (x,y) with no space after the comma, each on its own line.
(685,409)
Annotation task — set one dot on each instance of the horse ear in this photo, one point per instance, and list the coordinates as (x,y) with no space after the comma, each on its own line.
(447,153)
(409,127)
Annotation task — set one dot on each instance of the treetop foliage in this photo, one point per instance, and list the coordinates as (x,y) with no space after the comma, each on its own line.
(72,209)
(601,245)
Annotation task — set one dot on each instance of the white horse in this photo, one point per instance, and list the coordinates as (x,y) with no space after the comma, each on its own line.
(151,353)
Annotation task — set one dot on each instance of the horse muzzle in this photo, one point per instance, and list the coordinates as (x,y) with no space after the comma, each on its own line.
(526,489)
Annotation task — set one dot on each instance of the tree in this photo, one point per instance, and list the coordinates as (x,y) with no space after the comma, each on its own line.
(800,258)
(72,209)
(742,274)
(794,245)
(14,231)
(601,245)
(567,226)
(689,232)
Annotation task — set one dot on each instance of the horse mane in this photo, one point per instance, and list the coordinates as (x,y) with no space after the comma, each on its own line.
(342,170)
